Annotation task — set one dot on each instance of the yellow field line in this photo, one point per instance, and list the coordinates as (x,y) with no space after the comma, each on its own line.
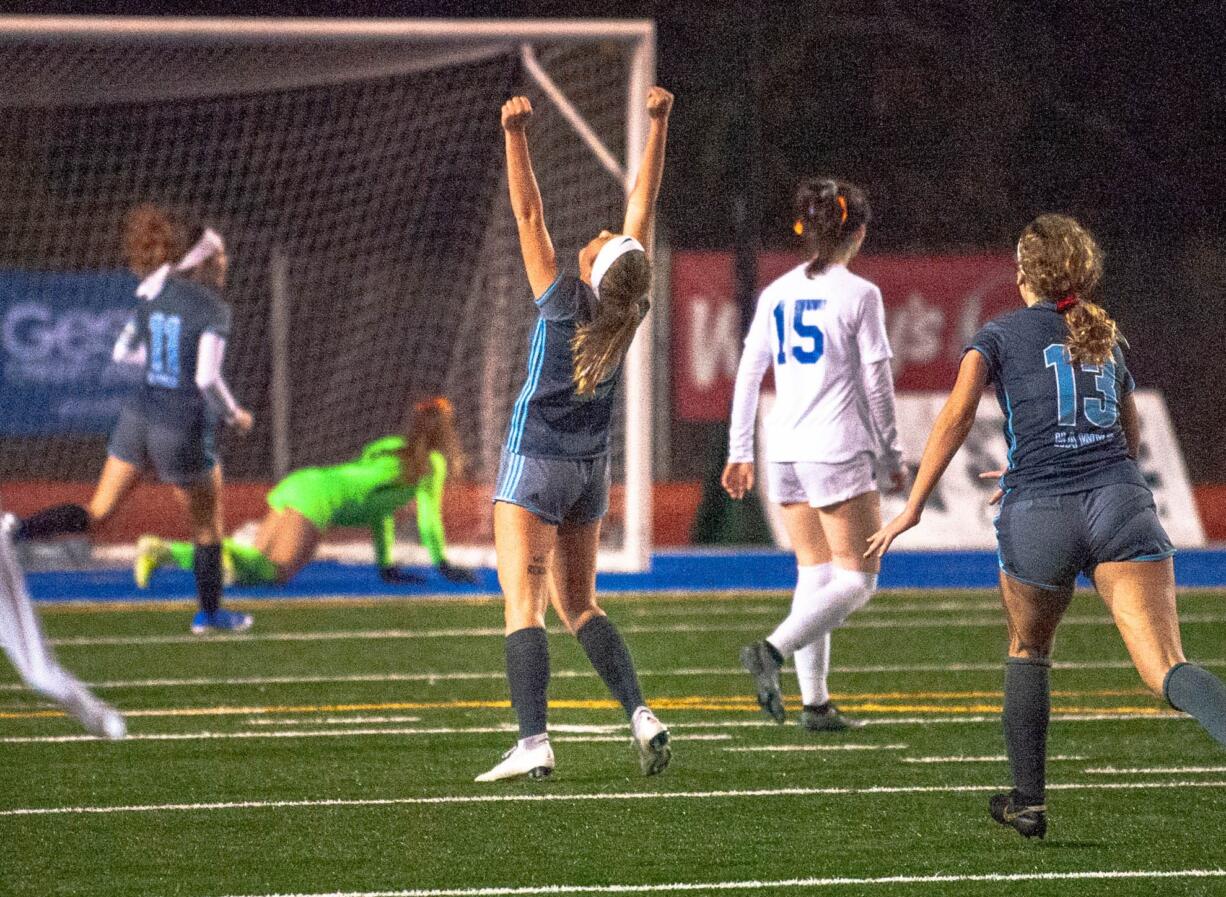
(693,702)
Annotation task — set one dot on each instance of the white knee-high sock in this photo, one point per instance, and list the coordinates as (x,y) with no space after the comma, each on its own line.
(812,661)
(823,610)
(21,634)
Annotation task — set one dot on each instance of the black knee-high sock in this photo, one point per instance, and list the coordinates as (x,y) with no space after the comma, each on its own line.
(1027,710)
(528,676)
(59,520)
(1196,691)
(610,658)
(207,567)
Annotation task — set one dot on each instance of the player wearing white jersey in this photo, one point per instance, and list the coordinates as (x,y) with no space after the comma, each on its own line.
(830,433)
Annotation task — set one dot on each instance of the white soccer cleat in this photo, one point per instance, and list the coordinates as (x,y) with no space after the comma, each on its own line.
(652,740)
(522,763)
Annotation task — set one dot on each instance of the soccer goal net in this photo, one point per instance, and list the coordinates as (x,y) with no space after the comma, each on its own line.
(356,171)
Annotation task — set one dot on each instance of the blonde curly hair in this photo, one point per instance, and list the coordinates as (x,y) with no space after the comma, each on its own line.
(1061,262)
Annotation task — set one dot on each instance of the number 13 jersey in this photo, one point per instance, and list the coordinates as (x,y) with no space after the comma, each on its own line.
(1062,420)
(818,334)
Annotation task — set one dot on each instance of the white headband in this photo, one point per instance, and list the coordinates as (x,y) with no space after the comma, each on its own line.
(209,245)
(609,253)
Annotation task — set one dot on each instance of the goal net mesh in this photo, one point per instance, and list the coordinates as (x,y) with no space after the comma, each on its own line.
(371,173)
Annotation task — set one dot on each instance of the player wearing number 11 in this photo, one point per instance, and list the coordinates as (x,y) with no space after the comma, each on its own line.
(167,426)
(1072,499)
(830,432)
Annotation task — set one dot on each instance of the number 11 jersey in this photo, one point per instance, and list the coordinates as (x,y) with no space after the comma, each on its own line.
(170,325)
(1062,420)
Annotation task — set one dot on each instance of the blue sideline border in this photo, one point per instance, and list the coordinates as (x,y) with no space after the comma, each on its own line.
(671,571)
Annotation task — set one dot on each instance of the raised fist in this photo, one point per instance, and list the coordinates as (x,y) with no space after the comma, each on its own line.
(659,103)
(515,113)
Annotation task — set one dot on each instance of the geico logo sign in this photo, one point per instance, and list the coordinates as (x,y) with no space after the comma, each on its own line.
(43,345)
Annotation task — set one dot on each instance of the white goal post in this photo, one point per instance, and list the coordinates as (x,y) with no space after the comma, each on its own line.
(590,79)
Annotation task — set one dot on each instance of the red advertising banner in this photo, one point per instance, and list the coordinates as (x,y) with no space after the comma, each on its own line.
(933,306)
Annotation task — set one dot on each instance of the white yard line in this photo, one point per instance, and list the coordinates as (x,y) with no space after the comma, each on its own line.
(332,721)
(1153,770)
(992,622)
(998,758)
(625,739)
(770,885)
(507,727)
(805,748)
(499,675)
(551,797)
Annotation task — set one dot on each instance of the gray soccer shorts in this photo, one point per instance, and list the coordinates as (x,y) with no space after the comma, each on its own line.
(557,490)
(180,455)
(1045,541)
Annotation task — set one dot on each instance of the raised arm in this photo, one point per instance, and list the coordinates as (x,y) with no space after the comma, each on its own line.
(641,206)
(948,433)
(534,243)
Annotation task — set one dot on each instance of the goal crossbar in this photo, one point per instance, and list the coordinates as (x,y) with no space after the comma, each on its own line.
(264,30)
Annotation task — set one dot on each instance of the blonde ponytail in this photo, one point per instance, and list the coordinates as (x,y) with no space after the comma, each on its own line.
(1092,334)
(600,345)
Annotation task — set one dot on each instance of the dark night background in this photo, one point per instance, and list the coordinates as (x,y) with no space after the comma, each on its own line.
(963,121)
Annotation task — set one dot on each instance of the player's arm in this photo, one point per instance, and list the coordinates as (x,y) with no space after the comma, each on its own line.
(534,243)
(641,205)
(383,534)
(738,474)
(210,353)
(430,520)
(129,347)
(952,426)
(1130,420)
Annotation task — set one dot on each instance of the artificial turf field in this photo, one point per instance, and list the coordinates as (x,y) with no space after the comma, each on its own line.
(332,751)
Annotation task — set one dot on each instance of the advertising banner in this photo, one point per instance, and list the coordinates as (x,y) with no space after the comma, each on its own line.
(958,514)
(933,306)
(56,335)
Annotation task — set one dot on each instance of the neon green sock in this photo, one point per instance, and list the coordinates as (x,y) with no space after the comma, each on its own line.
(251,567)
(183,553)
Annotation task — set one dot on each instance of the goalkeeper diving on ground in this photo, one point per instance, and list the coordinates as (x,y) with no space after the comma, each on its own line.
(366,491)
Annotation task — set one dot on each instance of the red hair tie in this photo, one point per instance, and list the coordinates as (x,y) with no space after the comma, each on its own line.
(843,207)
(1067,302)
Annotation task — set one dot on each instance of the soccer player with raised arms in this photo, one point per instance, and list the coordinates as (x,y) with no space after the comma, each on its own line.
(553,482)
(366,491)
(168,426)
(1072,499)
(831,430)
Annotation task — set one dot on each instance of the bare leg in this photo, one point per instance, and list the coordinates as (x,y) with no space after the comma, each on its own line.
(289,541)
(117,480)
(1141,598)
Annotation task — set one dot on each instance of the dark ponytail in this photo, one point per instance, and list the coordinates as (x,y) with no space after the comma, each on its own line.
(829,214)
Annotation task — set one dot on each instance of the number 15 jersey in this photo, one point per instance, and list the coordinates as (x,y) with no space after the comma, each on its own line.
(1062,420)
(818,333)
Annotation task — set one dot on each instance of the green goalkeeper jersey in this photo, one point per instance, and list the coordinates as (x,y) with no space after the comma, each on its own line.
(367,492)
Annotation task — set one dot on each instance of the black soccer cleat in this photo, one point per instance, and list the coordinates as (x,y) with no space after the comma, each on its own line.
(1030,822)
(760,663)
(827,718)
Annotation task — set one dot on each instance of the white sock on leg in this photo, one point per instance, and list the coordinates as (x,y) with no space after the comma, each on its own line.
(822,610)
(812,664)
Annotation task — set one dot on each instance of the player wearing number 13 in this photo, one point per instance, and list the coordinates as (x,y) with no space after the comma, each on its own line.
(1072,499)
(830,431)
